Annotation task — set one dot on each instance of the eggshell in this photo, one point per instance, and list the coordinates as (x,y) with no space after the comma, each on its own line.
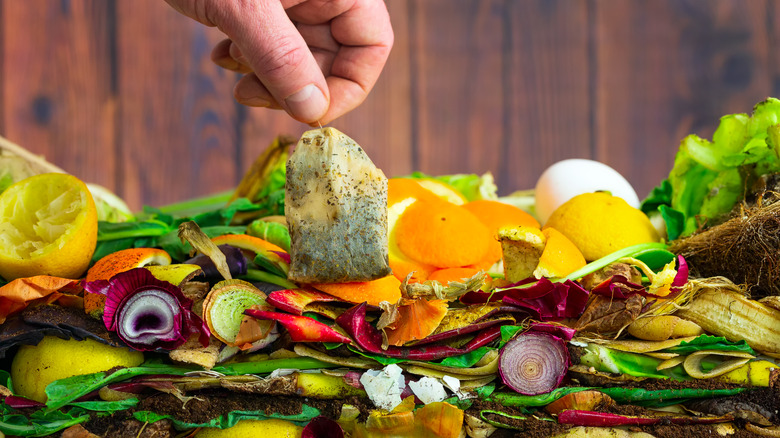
(569,178)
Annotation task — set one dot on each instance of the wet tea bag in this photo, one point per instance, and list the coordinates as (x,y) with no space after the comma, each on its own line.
(336,208)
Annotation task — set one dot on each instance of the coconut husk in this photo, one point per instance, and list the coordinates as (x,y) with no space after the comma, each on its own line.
(745,249)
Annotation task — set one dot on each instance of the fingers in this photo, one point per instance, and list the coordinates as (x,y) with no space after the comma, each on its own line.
(226,55)
(251,92)
(280,59)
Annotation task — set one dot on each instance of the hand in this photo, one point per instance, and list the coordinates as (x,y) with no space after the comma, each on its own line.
(315,59)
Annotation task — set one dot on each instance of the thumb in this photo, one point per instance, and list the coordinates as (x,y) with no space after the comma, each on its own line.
(279,57)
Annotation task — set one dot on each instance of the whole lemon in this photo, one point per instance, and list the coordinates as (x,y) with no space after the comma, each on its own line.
(253,428)
(599,224)
(35,366)
(48,226)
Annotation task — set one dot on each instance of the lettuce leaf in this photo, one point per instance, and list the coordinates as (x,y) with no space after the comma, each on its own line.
(709,178)
(470,185)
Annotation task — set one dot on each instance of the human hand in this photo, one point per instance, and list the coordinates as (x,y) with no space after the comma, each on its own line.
(315,59)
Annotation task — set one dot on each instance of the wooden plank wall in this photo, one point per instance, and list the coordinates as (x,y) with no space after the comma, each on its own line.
(122,92)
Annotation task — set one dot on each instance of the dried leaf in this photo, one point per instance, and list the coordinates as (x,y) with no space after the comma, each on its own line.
(41,289)
(606,316)
(416,320)
(190,231)
(431,289)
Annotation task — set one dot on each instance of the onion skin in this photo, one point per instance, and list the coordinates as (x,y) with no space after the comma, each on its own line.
(165,319)
(534,363)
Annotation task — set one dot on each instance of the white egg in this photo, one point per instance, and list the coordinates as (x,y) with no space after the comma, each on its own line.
(569,178)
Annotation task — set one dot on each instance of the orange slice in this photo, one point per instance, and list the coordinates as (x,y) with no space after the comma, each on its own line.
(401,193)
(117,262)
(373,292)
(441,234)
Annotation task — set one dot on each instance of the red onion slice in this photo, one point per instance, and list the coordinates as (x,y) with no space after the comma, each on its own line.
(534,363)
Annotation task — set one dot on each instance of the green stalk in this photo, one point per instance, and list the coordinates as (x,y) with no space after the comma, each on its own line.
(195,206)
(516,400)
(266,277)
(665,397)
(631,251)
(267,366)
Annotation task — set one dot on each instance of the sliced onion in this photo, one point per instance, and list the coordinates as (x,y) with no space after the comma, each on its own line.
(146,313)
(534,363)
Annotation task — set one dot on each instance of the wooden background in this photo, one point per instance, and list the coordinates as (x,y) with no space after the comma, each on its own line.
(122,92)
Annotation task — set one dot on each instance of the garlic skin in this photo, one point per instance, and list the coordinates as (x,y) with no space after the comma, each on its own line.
(569,178)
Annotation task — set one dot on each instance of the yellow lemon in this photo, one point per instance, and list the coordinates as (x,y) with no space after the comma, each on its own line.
(254,428)
(34,367)
(599,224)
(48,226)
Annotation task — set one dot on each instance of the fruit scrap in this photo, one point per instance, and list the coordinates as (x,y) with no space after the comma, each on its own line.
(334,193)
(114,263)
(147,313)
(301,328)
(441,234)
(372,292)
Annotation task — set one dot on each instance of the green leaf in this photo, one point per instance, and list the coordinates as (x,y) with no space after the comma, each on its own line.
(39,423)
(64,391)
(484,392)
(509,331)
(465,360)
(230,419)
(106,406)
(709,342)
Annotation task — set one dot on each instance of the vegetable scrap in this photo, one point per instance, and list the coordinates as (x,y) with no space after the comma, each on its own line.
(326,300)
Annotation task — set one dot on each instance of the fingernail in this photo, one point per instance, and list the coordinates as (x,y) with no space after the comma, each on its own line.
(308,104)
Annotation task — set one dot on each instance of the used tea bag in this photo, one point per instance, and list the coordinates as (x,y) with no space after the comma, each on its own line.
(336,209)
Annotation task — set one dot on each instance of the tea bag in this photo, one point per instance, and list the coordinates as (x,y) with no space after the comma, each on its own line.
(336,209)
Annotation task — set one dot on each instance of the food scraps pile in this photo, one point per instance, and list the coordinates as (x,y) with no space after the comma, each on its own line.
(321,299)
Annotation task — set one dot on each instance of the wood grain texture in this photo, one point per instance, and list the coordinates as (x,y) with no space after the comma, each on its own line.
(56,84)
(666,69)
(124,94)
(176,129)
(547,79)
(458,94)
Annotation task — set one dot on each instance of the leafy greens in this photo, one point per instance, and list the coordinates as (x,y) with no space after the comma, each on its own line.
(709,178)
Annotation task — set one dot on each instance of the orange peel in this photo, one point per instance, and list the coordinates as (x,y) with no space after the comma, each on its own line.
(441,234)
(372,292)
(496,215)
(118,262)
(417,319)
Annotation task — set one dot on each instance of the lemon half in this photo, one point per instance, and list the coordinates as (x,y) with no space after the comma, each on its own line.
(48,226)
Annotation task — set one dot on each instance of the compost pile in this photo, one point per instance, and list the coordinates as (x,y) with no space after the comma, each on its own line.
(321,299)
